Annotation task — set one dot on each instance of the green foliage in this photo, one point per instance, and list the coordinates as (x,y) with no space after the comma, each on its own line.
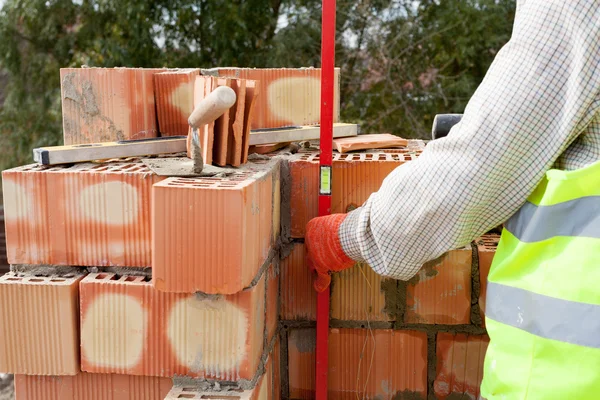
(402,61)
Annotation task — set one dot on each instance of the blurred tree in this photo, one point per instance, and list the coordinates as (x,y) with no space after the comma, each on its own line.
(402,61)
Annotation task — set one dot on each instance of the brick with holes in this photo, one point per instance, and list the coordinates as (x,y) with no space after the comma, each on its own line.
(379,364)
(107,104)
(85,214)
(174,92)
(129,327)
(273,368)
(357,294)
(212,234)
(298,297)
(260,392)
(486,250)
(39,324)
(355,178)
(4,267)
(272,316)
(84,386)
(459,368)
(267,386)
(440,293)
(288,96)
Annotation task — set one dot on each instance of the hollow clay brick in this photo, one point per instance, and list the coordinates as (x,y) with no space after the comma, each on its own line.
(107,104)
(84,386)
(459,368)
(266,148)
(288,96)
(235,140)
(39,325)
(378,364)
(357,295)
(252,95)
(274,365)
(4,267)
(440,293)
(212,234)
(86,214)
(174,92)
(298,297)
(267,386)
(354,178)
(276,201)
(222,130)
(363,142)
(486,250)
(272,316)
(128,327)
(202,88)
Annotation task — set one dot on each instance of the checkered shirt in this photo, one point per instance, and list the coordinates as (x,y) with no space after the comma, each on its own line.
(537,108)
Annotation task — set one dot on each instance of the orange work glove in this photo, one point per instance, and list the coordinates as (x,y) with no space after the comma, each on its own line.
(325,253)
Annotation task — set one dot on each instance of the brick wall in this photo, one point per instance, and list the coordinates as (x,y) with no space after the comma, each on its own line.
(201,322)
(187,286)
(421,339)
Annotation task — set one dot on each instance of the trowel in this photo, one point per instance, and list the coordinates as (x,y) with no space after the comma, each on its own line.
(208,110)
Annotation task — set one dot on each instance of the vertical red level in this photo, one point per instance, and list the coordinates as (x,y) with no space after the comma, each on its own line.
(327,77)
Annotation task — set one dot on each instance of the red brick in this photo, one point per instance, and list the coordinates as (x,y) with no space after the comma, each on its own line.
(272,317)
(459,369)
(235,141)
(357,295)
(128,327)
(107,104)
(266,148)
(260,392)
(354,178)
(174,92)
(441,293)
(85,214)
(39,324)
(289,96)
(298,297)
(364,142)
(276,377)
(252,94)
(385,365)
(212,234)
(265,389)
(486,250)
(84,386)
(4,267)
(222,131)
(202,88)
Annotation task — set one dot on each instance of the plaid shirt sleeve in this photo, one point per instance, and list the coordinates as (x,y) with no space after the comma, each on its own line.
(540,93)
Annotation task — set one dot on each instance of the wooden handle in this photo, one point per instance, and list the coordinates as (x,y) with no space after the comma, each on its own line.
(212,106)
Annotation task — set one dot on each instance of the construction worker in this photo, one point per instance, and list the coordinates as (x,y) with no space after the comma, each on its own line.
(527,152)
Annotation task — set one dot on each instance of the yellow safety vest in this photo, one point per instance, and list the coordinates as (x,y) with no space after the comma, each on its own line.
(543,296)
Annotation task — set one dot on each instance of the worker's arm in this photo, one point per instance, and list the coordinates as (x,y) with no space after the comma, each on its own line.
(540,92)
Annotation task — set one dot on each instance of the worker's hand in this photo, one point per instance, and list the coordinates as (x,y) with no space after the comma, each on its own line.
(324,250)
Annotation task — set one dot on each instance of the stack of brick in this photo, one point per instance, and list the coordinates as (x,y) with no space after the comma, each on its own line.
(130,285)
(421,339)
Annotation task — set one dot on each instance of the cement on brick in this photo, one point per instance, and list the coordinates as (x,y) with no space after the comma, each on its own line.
(45,270)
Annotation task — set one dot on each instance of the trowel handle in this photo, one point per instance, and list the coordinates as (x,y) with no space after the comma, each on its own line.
(212,106)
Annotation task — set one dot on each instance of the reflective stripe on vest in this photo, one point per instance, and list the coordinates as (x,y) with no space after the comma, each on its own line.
(544,316)
(543,295)
(579,217)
